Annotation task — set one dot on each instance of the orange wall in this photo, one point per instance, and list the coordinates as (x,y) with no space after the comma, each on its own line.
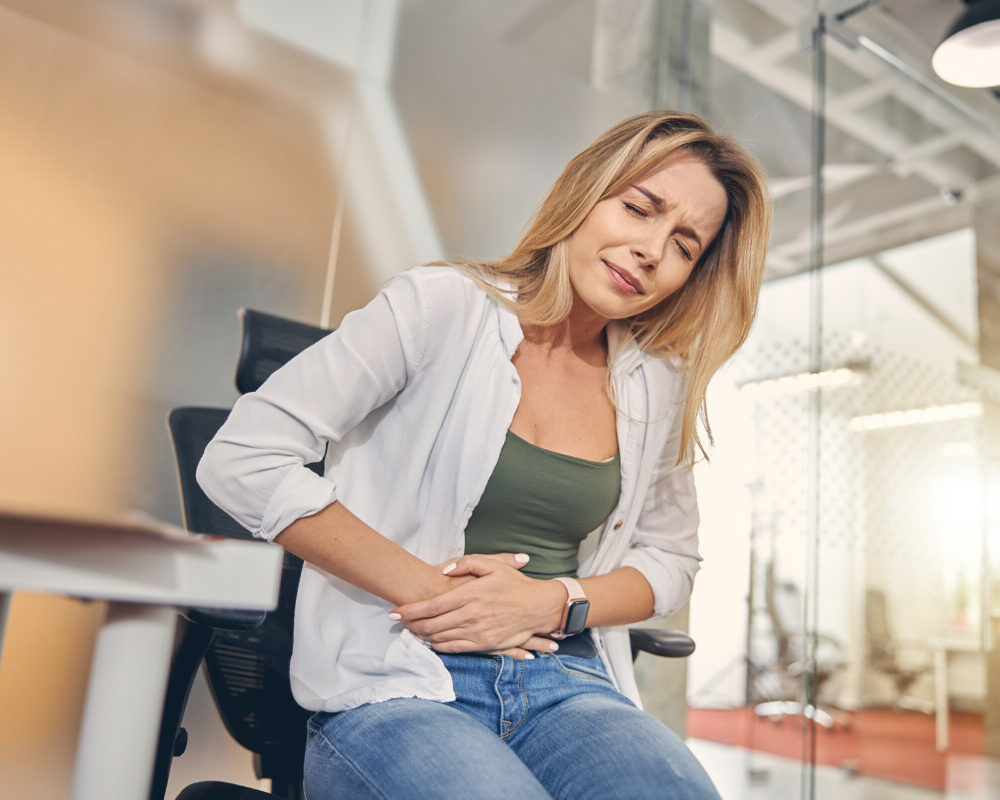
(109,163)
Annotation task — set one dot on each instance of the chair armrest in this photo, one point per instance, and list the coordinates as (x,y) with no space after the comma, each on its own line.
(671,644)
(230,619)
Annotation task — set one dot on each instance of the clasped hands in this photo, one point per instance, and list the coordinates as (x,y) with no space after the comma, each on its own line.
(487,607)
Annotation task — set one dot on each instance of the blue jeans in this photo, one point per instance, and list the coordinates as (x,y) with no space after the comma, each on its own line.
(550,727)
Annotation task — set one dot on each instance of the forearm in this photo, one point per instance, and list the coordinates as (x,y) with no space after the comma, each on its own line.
(338,542)
(620,597)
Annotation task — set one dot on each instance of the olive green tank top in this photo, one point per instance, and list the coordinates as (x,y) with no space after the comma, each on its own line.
(544,504)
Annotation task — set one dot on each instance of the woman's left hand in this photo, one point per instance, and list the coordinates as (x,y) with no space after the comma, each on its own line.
(501,611)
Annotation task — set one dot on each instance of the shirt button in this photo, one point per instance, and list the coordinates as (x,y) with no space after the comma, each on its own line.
(619,524)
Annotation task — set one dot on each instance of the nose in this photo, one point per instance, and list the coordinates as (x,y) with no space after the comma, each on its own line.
(647,250)
(640,255)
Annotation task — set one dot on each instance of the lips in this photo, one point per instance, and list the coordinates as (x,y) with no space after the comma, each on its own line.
(624,279)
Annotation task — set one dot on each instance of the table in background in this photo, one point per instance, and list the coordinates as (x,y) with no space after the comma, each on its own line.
(943,647)
(144,568)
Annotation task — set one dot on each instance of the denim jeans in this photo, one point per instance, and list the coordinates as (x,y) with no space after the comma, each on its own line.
(550,727)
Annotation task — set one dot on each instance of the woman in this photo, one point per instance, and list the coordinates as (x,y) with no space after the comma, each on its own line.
(505,410)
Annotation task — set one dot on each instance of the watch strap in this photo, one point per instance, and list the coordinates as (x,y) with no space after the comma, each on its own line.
(573,588)
(575,594)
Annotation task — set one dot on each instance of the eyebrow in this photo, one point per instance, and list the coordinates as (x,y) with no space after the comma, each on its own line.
(687,230)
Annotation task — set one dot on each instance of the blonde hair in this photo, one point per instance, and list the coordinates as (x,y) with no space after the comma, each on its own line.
(701,324)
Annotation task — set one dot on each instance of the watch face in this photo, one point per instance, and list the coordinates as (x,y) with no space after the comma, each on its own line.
(576,617)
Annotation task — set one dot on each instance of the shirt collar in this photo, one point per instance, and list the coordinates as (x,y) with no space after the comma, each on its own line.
(624,354)
(511,334)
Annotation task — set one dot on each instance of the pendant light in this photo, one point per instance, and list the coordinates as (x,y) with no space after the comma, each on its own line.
(970,53)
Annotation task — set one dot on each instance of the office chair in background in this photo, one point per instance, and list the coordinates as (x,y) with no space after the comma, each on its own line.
(884,654)
(246,654)
(791,666)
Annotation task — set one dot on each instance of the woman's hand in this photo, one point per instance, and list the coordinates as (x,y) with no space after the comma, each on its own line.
(500,611)
(515,560)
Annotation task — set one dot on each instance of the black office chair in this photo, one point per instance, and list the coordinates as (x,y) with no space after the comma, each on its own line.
(246,654)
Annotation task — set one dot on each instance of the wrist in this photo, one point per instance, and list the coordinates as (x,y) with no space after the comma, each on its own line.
(555,598)
(433,582)
(576,609)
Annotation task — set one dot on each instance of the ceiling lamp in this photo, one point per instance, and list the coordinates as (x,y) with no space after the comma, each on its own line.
(970,53)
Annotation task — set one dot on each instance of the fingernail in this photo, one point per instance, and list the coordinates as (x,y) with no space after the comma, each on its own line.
(395,617)
(522,558)
(449,568)
(553,646)
(528,656)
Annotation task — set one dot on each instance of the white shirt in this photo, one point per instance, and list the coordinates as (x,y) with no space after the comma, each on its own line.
(414,394)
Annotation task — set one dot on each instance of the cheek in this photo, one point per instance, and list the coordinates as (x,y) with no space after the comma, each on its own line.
(673,282)
(576,249)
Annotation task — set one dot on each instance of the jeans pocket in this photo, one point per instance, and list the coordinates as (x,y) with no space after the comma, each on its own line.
(586,668)
(315,723)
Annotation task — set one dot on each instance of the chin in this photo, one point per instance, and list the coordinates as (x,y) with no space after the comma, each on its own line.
(612,311)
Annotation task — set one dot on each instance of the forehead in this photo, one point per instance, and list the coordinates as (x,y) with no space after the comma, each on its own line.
(681,177)
(655,165)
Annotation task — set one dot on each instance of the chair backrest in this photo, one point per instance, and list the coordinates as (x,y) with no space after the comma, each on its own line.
(191,429)
(783,605)
(269,342)
(878,633)
(247,669)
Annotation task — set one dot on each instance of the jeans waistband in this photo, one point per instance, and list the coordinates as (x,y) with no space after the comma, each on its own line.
(579,644)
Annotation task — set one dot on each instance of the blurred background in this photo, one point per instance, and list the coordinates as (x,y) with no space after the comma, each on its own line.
(164,163)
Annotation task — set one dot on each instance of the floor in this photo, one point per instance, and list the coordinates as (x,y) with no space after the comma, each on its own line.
(894,746)
(742,774)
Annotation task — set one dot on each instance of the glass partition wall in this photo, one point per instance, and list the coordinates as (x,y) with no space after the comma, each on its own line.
(868,388)
(293,157)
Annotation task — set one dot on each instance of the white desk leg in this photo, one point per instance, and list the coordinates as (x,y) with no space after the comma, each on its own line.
(121,718)
(4,612)
(941,698)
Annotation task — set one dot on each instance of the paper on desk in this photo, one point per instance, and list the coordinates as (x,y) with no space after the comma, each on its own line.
(131,521)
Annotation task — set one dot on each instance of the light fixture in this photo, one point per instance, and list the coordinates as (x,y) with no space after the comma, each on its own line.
(806,381)
(970,54)
(915,416)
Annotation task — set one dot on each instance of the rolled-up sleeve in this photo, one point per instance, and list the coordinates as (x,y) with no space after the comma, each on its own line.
(254,468)
(664,546)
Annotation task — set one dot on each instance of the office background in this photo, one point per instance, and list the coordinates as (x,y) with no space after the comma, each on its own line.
(166,162)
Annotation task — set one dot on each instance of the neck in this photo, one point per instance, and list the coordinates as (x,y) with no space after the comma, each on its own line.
(582,333)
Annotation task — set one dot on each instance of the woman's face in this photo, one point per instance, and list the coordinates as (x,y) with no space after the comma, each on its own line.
(639,246)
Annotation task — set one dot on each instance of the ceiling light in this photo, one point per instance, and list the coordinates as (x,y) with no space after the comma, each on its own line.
(970,53)
(915,416)
(805,381)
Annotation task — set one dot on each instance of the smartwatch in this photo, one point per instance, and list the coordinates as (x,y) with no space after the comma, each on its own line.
(574,618)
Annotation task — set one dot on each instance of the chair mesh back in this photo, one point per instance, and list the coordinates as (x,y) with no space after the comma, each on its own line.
(248,675)
(247,669)
(268,343)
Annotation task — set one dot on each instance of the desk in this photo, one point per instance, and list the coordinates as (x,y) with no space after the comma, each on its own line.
(942,648)
(143,568)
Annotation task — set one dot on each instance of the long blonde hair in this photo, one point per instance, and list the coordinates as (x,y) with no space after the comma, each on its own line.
(701,324)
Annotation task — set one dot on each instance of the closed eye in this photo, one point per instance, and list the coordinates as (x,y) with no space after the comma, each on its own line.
(684,251)
(635,210)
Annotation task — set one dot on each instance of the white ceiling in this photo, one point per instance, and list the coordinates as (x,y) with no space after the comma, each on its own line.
(907,156)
